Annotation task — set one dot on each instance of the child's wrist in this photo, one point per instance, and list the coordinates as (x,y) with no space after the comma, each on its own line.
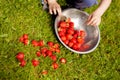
(51,1)
(99,12)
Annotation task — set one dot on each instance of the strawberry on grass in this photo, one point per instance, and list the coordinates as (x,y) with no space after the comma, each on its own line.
(38,53)
(34,43)
(20,56)
(35,62)
(55,65)
(44,72)
(24,39)
(63,60)
(53,57)
(22,63)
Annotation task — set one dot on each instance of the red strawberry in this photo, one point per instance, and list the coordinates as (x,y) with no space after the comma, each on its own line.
(53,57)
(63,60)
(80,40)
(71,24)
(35,62)
(21,39)
(26,42)
(49,53)
(44,55)
(25,36)
(44,72)
(57,50)
(56,45)
(70,44)
(20,56)
(41,43)
(76,46)
(63,38)
(22,63)
(70,31)
(68,36)
(43,50)
(62,24)
(50,43)
(82,33)
(66,42)
(62,29)
(60,33)
(73,40)
(54,65)
(35,43)
(38,53)
(52,49)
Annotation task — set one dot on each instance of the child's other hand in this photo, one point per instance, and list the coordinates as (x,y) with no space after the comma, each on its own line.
(94,19)
(54,8)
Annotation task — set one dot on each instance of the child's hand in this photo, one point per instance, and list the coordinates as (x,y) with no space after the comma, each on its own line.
(94,19)
(54,8)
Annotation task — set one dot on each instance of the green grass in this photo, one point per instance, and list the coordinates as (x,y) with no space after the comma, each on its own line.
(26,16)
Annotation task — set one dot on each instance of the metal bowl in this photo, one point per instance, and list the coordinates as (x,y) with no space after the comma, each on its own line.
(79,18)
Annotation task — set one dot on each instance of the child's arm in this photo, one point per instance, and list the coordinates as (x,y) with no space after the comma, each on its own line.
(54,7)
(95,18)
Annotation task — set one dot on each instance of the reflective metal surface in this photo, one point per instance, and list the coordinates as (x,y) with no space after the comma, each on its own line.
(79,18)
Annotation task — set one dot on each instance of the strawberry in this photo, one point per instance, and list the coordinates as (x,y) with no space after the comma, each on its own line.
(53,57)
(55,65)
(57,50)
(25,36)
(63,60)
(82,33)
(38,53)
(21,39)
(43,50)
(22,63)
(20,56)
(35,62)
(71,24)
(44,72)
(56,45)
(49,53)
(62,24)
(68,36)
(60,33)
(62,29)
(70,31)
(66,42)
(44,55)
(73,40)
(76,46)
(50,43)
(41,43)
(34,43)
(26,42)
(52,49)
(63,38)
(70,44)
(80,40)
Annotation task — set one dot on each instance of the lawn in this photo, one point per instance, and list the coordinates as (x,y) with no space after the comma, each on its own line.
(18,17)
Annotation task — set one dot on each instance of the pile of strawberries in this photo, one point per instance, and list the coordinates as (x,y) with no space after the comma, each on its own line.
(45,50)
(75,39)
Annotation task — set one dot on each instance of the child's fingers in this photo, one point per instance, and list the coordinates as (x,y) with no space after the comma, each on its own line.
(59,11)
(54,10)
(94,23)
(90,21)
(50,11)
(89,18)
